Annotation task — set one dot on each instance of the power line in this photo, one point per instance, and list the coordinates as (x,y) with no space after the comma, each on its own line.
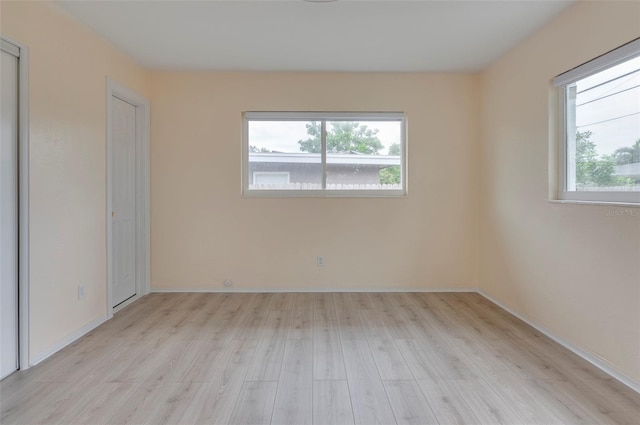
(610,119)
(618,85)
(609,95)
(609,81)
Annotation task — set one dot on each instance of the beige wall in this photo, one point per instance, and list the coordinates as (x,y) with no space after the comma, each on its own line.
(574,269)
(68,67)
(203,231)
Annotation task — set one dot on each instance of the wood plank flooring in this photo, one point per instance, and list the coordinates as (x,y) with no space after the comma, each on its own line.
(323,358)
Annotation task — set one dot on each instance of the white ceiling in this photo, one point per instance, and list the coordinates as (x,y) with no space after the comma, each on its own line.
(296,35)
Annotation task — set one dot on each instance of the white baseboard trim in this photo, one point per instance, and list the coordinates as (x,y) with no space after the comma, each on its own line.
(591,358)
(68,340)
(280,290)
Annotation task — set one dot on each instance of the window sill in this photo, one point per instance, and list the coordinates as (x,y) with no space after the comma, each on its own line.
(323,194)
(600,203)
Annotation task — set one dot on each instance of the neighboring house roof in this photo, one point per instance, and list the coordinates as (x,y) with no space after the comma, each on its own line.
(628,170)
(332,158)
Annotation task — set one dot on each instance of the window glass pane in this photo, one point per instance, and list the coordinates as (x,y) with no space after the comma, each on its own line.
(364,152)
(364,155)
(603,130)
(281,158)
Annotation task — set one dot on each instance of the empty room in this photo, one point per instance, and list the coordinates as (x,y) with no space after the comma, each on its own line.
(320,212)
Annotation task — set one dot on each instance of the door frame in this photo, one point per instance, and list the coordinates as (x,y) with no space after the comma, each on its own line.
(24,361)
(143,241)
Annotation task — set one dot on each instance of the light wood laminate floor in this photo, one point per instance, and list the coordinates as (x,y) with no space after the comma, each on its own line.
(323,358)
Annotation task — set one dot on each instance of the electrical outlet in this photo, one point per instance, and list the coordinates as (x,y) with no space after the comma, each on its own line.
(80,292)
(320,261)
(228,283)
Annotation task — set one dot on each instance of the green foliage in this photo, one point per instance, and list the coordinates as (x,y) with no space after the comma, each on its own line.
(343,136)
(627,155)
(254,149)
(313,144)
(394,149)
(591,170)
(390,175)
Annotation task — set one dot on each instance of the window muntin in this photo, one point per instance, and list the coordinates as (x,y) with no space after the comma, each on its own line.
(601,149)
(325,154)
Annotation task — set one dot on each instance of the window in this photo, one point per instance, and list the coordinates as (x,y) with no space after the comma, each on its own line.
(600,159)
(324,154)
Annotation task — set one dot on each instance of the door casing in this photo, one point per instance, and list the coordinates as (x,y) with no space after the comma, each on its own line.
(142,249)
(23,202)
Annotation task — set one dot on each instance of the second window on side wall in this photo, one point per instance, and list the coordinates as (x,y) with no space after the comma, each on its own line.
(313,153)
(601,105)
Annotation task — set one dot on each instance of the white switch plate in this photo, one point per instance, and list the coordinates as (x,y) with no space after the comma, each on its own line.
(80,292)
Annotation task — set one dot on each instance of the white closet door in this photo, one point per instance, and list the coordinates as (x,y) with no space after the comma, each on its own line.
(124,203)
(8,213)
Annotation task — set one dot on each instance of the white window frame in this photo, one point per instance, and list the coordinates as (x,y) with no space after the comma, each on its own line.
(561,82)
(323,117)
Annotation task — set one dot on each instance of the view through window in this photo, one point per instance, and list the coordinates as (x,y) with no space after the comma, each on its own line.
(324,152)
(602,125)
